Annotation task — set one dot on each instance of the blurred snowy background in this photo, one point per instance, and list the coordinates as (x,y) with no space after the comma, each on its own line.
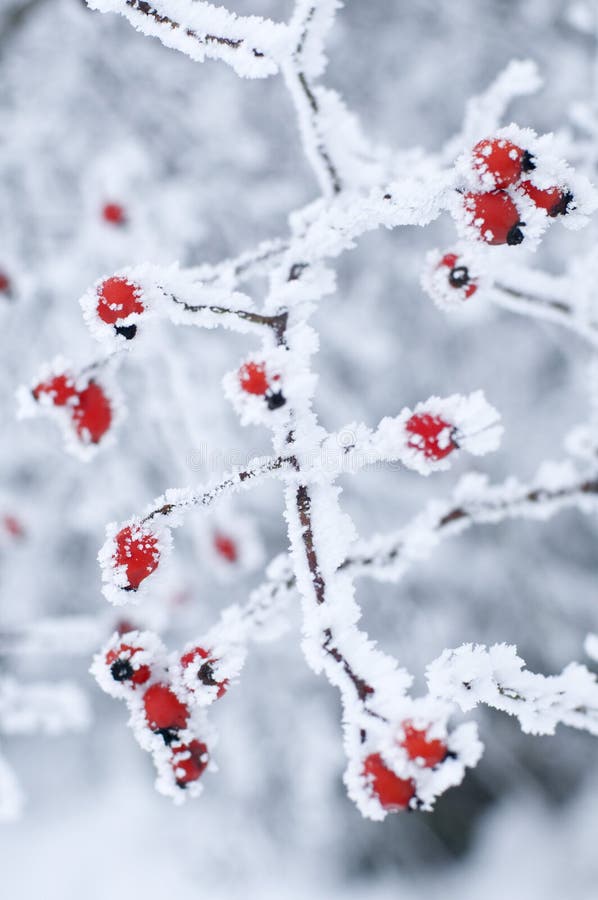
(205,165)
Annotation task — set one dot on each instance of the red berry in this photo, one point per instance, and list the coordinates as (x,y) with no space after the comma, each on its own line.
(431,435)
(92,415)
(114,213)
(117,299)
(189,762)
(138,551)
(205,673)
(502,160)
(459,276)
(121,665)
(13,526)
(226,547)
(252,377)
(496,217)
(554,200)
(4,284)
(60,388)
(163,709)
(394,793)
(418,747)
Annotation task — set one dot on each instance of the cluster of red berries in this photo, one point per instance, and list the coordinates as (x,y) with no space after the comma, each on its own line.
(165,713)
(89,407)
(459,277)
(255,380)
(167,716)
(117,300)
(393,793)
(114,214)
(503,165)
(431,435)
(137,550)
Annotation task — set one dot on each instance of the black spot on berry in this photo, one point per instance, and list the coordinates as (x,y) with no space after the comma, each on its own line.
(206,675)
(528,162)
(121,670)
(275,401)
(561,207)
(515,235)
(168,735)
(127,331)
(459,276)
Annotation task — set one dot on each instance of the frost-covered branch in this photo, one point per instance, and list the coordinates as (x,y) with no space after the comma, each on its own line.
(495,677)
(252,46)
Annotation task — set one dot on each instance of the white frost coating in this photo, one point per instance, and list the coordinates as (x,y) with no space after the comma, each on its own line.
(495,676)
(310,24)
(250,45)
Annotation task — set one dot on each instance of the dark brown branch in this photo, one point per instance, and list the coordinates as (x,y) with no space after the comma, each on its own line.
(206,498)
(148,10)
(277,323)
(362,688)
(314,107)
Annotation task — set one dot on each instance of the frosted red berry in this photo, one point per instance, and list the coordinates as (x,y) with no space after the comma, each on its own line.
(60,389)
(429,752)
(4,283)
(554,200)
(122,665)
(138,552)
(431,435)
(114,214)
(92,415)
(189,762)
(253,378)
(502,160)
(495,217)
(394,793)
(205,672)
(226,547)
(163,709)
(458,274)
(117,299)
